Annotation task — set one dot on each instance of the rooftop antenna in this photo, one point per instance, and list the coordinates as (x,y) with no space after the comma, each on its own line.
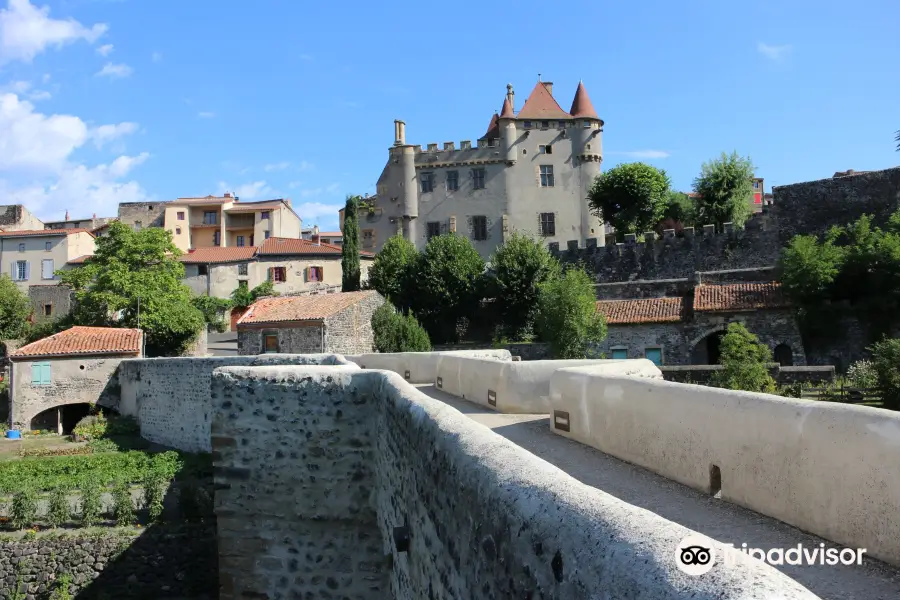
(539,76)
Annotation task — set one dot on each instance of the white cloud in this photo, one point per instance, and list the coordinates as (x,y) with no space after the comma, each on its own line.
(24,88)
(105,50)
(277,167)
(26,31)
(248,191)
(775,53)
(156,57)
(114,71)
(107,133)
(643,154)
(31,140)
(206,114)
(124,164)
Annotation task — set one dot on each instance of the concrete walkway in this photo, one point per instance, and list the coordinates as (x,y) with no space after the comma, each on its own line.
(712,517)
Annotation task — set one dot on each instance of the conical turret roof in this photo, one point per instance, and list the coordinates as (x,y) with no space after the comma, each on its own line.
(507,111)
(581,105)
(493,128)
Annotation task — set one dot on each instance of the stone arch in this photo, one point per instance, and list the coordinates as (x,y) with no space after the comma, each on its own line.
(23,420)
(61,418)
(783,355)
(704,347)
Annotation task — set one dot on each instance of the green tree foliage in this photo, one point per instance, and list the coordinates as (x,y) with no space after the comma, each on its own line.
(132,268)
(568,318)
(631,197)
(679,212)
(392,271)
(242,297)
(725,189)
(744,361)
(395,332)
(58,510)
(519,267)
(448,282)
(350,248)
(39,331)
(212,309)
(15,308)
(886,364)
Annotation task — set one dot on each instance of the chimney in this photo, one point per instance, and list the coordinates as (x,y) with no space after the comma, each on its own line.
(399,133)
(511,95)
(549,86)
(228,194)
(67,214)
(94,216)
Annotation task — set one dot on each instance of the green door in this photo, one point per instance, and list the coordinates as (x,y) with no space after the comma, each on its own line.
(620,354)
(654,354)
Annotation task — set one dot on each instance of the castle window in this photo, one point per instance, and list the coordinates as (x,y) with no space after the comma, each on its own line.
(527,124)
(48,246)
(242,269)
(546,175)
(368,238)
(548,224)
(434,229)
(587,124)
(548,149)
(478,179)
(427,182)
(562,124)
(452,180)
(479,228)
(545,124)
(178,231)
(48,310)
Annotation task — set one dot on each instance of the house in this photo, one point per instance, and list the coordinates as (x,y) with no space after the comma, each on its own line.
(296,265)
(218,271)
(54,381)
(339,323)
(335,238)
(68,223)
(225,221)
(32,257)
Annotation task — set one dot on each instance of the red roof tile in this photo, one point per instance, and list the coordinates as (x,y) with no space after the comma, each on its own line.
(739,296)
(493,130)
(301,308)
(507,111)
(80,260)
(30,232)
(581,105)
(84,340)
(644,310)
(284,246)
(541,105)
(218,254)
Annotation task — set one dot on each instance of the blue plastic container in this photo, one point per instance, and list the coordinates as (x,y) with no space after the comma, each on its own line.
(13,434)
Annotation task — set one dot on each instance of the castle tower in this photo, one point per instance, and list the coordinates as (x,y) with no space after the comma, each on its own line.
(508,127)
(587,150)
(406,156)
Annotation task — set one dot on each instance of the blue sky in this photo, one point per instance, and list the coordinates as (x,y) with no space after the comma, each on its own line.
(104,101)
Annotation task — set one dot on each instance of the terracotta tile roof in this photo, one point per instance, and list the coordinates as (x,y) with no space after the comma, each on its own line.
(581,105)
(301,308)
(507,111)
(217,254)
(541,105)
(493,130)
(739,296)
(31,232)
(248,207)
(286,246)
(644,310)
(80,260)
(85,340)
(330,234)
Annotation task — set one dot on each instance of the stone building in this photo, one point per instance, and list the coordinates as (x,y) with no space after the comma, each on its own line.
(91,224)
(304,265)
(50,302)
(15,217)
(54,381)
(339,323)
(137,215)
(530,171)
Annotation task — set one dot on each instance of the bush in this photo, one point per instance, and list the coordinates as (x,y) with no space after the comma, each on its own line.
(23,511)
(91,427)
(195,502)
(154,492)
(123,504)
(744,362)
(58,509)
(886,364)
(862,374)
(568,318)
(91,504)
(391,272)
(394,332)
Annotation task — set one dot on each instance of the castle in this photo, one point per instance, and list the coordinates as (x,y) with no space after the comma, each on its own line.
(531,172)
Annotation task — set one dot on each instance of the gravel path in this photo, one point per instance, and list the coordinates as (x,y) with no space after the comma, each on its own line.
(720,520)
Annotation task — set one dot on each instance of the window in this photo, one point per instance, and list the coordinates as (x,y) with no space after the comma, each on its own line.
(266,233)
(546,175)
(20,270)
(48,310)
(452,180)
(242,269)
(202,270)
(181,215)
(548,149)
(264,215)
(434,229)
(545,124)
(178,230)
(562,124)
(217,238)
(48,246)
(138,225)
(209,218)
(278,274)
(240,241)
(40,373)
(620,353)
(654,354)
(479,228)
(21,247)
(368,238)
(527,124)
(755,185)
(548,224)
(47,268)
(270,343)
(478,179)
(315,274)
(587,124)
(426,180)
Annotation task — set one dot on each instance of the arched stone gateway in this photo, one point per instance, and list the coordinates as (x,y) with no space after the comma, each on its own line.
(705,349)
(783,355)
(61,419)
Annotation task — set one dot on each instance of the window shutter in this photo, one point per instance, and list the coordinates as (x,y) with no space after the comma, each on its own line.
(45,374)
(36,375)
(309,274)
(27,270)
(13,274)
(270,273)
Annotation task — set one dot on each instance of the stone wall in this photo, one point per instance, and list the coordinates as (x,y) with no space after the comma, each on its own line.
(170,396)
(295,340)
(525,351)
(702,374)
(150,214)
(15,217)
(418,502)
(350,331)
(61,298)
(164,561)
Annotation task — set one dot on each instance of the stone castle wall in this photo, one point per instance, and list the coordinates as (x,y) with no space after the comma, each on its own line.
(150,214)
(60,297)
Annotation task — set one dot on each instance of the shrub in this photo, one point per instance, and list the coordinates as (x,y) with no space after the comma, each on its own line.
(195,502)
(886,364)
(61,588)
(58,509)
(91,504)
(91,427)
(24,508)
(391,273)
(394,332)
(744,362)
(123,504)
(862,374)
(568,318)
(154,492)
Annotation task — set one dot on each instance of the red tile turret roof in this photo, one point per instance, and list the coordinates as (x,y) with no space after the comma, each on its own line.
(507,111)
(79,341)
(582,108)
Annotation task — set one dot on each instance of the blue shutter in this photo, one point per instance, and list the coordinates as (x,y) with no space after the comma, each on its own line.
(45,374)
(36,373)
(655,355)
(620,354)
(27,270)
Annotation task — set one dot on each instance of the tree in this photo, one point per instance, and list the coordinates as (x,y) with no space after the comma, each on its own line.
(242,296)
(15,308)
(135,279)
(744,362)
(631,197)
(350,248)
(395,332)
(447,285)
(808,268)
(568,317)
(518,268)
(212,309)
(679,211)
(886,364)
(725,190)
(391,271)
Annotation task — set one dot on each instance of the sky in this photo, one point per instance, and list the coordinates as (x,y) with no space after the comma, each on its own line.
(108,101)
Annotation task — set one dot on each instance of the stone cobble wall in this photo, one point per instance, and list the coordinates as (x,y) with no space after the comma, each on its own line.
(306,436)
(15,217)
(161,562)
(150,214)
(61,297)
(295,340)
(350,331)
